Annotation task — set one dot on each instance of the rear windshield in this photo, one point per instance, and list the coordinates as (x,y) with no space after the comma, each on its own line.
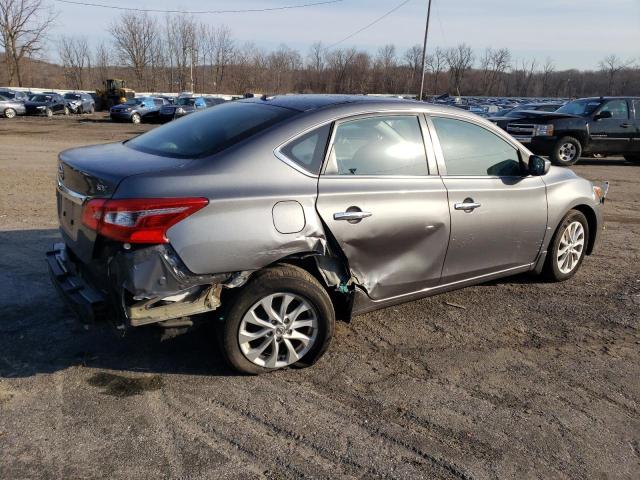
(211,130)
(72,96)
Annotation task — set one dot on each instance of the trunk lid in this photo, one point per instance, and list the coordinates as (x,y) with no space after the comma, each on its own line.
(95,172)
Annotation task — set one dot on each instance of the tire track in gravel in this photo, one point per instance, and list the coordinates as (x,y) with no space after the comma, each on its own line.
(353,418)
(243,441)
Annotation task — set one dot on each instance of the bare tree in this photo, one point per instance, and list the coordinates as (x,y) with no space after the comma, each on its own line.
(435,64)
(547,70)
(23,28)
(459,59)
(75,57)
(612,65)
(134,38)
(413,60)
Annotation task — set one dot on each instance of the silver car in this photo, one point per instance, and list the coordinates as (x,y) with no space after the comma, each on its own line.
(10,107)
(276,216)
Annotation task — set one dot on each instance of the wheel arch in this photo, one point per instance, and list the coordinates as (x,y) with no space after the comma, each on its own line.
(592,222)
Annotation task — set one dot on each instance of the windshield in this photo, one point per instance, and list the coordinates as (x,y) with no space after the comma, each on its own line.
(41,98)
(134,101)
(8,94)
(186,101)
(211,130)
(72,96)
(580,107)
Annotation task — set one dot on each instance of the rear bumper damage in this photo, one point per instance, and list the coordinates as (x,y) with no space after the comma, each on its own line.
(143,286)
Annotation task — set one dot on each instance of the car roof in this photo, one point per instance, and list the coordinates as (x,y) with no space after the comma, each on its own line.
(306,102)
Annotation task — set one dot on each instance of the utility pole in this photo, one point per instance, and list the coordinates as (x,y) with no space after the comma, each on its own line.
(424,51)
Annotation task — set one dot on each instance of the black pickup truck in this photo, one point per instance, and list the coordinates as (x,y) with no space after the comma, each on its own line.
(601,125)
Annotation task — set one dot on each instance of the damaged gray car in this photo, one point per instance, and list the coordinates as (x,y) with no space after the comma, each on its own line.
(275,216)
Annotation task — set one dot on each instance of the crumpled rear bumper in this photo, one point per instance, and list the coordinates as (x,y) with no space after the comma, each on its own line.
(143,286)
(88,303)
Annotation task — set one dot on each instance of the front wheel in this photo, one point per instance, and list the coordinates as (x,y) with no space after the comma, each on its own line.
(568,247)
(48,112)
(135,118)
(283,317)
(66,110)
(566,152)
(10,113)
(632,158)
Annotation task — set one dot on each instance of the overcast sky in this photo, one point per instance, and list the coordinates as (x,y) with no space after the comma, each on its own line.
(574,33)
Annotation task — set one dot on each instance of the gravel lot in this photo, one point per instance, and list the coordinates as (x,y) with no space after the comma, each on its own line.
(512,379)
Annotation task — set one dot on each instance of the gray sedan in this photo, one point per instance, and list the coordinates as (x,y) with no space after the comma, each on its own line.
(276,216)
(9,108)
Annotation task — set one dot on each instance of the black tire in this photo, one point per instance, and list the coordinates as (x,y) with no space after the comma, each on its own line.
(10,113)
(287,279)
(566,151)
(552,270)
(632,158)
(48,112)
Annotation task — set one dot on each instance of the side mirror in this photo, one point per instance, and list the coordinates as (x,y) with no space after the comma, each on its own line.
(601,115)
(538,166)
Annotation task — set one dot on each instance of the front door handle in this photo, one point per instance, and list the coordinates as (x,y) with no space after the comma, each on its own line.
(468,205)
(351,216)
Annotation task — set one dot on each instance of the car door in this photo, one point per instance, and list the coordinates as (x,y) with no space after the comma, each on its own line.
(611,135)
(383,204)
(498,214)
(634,147)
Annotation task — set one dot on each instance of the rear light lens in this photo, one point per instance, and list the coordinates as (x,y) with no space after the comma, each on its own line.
(140,220)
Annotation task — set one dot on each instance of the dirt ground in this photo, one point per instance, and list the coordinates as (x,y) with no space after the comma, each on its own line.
(511,379)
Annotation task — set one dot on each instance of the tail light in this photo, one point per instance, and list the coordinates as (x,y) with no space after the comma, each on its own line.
(140,220)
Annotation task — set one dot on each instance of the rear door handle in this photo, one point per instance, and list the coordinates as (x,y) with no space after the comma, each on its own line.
(351,216)
(466,206)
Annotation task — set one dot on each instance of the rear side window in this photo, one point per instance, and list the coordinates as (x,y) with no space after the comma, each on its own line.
(472,150)
(391,145)
(618,109)
(308,150)
(211,130)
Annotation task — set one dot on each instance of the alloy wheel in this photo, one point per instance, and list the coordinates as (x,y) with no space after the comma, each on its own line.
(570,248)
(9,113)
(135,118)
(567,152)
(278,330)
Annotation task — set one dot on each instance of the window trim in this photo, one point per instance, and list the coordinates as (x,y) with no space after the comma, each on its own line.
(426,142)
(291,162)
(442,167)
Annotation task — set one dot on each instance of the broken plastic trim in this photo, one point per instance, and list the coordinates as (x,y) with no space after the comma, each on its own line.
(155,285)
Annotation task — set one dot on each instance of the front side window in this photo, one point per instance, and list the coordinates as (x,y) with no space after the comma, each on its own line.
(471,150)
(580,107)
(308,150)
(385,145)
(618,109)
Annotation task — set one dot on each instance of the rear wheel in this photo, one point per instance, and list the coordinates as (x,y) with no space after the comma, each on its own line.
(10,113)
(566,152)
(135,118)
(48,112)
(283,317)
(632,158)
(66,110)
(568,247)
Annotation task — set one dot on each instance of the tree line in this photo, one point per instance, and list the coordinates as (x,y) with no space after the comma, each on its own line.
(179,53)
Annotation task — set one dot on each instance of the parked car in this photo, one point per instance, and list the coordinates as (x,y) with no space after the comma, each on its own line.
(503,119)
(280,214)
(604,126)
(186,105)
(80,102)
(9,107)
(15,95)
(136,110)
(48,104)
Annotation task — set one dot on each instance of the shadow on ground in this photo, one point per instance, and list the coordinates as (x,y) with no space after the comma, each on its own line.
(39,335)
